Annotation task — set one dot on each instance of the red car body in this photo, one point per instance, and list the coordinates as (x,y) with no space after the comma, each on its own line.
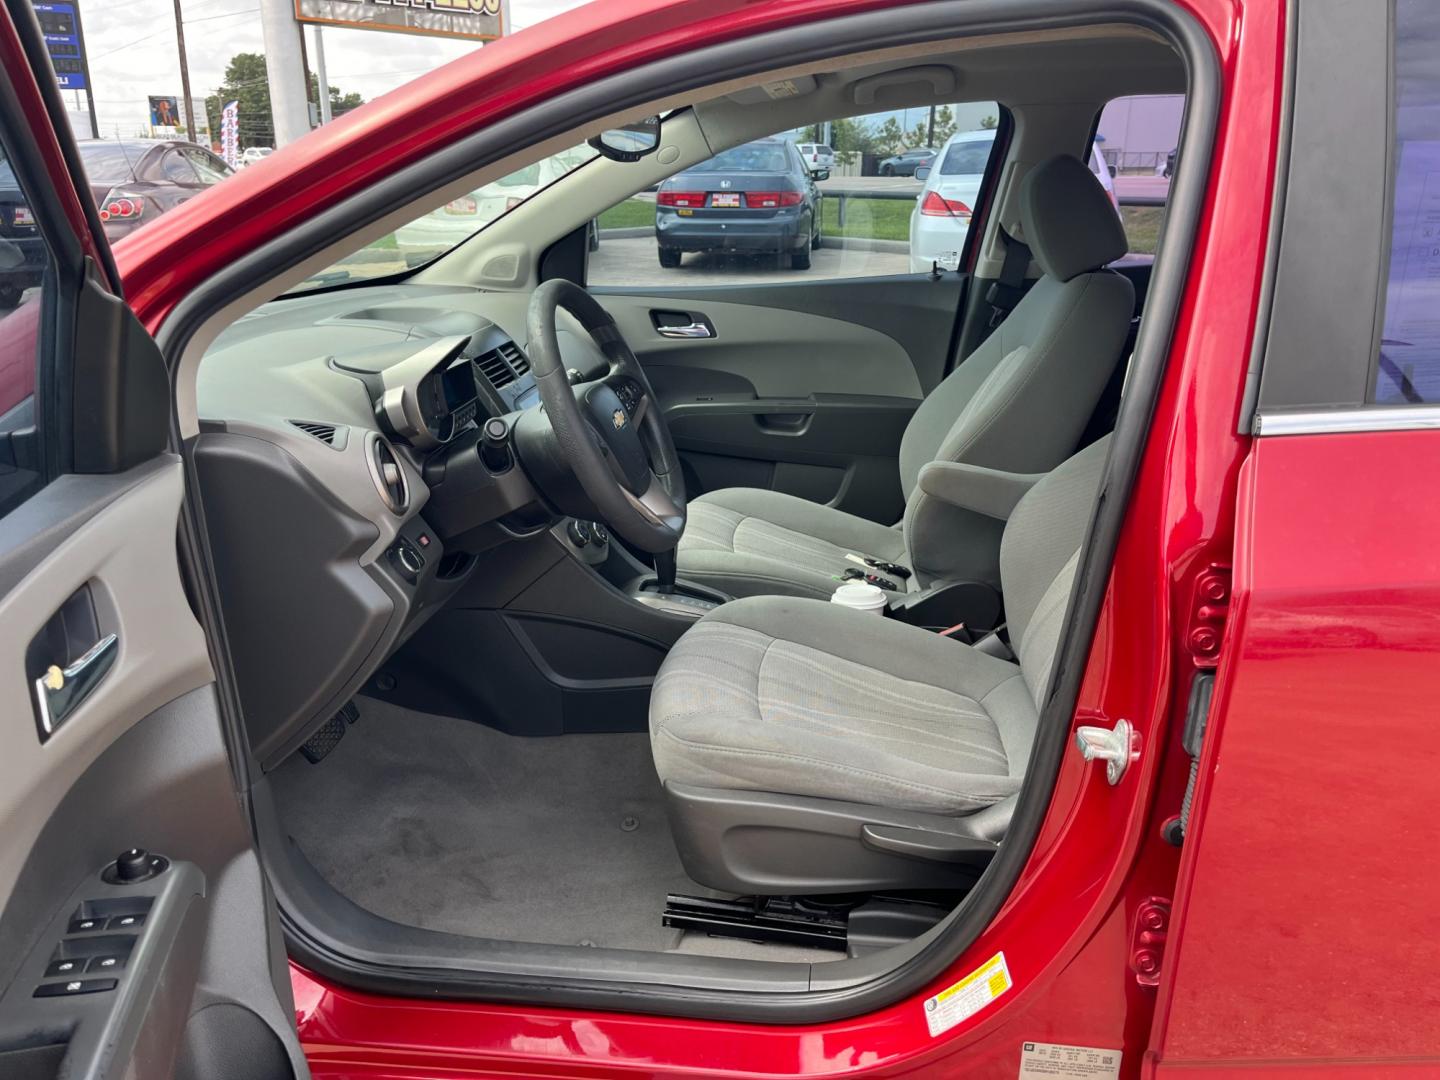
(1268,942)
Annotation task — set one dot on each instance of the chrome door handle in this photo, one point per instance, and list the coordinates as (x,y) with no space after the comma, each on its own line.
(689,330)
(61,690)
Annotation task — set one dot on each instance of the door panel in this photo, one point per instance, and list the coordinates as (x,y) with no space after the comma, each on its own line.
(114,961)
(803,388)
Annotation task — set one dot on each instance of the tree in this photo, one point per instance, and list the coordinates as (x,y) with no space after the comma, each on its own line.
(989,122)
(850,138)
(891,137)
(248,82)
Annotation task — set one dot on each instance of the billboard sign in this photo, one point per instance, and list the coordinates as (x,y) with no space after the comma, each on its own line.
(60,23)
(478,20)
(164,114)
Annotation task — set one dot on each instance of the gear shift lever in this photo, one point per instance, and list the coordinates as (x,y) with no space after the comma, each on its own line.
(665,572)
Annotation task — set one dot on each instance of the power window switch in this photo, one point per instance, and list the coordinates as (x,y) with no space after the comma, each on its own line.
(102,964)
(82,926)
(75,987)
(125,922)
(64,967)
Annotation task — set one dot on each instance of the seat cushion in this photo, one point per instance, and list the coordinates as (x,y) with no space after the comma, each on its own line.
(801,697)
(747,542)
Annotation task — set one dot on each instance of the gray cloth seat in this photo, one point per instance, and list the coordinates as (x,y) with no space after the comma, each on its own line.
(1018,403)
(804,698)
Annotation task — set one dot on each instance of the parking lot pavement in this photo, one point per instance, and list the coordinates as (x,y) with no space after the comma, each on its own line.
(633,261)
(905,185)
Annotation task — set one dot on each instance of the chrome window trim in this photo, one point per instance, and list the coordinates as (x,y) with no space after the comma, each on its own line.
(1345,421)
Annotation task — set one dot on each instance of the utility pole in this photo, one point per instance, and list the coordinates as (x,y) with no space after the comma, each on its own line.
(185,73)
(321,77)
(285,69)
(930,131)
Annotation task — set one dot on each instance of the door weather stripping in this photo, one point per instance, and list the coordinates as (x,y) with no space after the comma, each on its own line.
(1110,745)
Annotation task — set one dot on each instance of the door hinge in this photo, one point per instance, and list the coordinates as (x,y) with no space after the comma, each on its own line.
(1147,939)
(1209,613)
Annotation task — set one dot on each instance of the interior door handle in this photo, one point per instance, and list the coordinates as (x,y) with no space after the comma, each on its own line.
(688,330)
(60,691)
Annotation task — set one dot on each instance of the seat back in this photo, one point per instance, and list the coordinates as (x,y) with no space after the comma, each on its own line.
(1020,401)
(1039,557)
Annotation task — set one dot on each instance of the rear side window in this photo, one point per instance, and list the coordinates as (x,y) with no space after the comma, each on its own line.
(967,158)
(1407,362)
(1137,139)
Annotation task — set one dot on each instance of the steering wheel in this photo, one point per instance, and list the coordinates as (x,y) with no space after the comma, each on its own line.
(609,429)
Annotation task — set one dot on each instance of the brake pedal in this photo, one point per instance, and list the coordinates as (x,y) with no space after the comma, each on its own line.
(329,734)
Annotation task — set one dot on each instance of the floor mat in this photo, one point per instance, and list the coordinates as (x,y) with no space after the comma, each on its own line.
(449,825)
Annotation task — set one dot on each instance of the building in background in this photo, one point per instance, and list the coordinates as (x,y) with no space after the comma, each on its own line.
(1137,134)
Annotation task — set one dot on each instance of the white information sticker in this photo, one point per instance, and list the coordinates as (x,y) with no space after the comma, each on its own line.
(968,996)
(1051,1060)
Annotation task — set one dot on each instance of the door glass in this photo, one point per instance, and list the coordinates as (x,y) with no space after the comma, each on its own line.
(24,260)
(1136,140)
(1407,364)
(826,201)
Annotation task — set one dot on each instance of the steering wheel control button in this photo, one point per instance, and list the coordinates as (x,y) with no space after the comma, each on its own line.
(75,987)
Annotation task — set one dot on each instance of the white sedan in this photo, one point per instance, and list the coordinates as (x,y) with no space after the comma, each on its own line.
(941,217)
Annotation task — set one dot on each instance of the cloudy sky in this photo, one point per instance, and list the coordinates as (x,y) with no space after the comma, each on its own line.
(133,52)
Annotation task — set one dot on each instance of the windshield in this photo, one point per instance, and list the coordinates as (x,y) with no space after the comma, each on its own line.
(431,235)
(753,157)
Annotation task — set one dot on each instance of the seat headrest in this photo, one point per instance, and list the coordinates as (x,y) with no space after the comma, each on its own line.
(1070,224)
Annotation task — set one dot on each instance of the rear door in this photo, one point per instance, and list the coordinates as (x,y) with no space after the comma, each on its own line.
(136,933)
(798,380)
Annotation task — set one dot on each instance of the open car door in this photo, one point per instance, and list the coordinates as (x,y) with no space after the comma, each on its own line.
(137,935)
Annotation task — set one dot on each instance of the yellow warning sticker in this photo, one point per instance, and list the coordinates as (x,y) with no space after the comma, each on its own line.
(968,996)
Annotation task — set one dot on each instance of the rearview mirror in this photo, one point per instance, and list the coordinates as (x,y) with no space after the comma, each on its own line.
(629,142)
(922,173)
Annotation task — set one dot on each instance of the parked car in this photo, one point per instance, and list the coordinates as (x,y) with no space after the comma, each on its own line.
(906,162)
(759,198)
(816,155)
(337,741)
(251,154)
(940,220)
(134,181)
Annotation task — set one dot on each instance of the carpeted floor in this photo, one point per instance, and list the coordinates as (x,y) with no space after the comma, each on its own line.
(449,825)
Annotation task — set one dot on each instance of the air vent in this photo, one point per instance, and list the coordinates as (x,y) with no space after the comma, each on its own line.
(496,371)
(326,433)
(514,357)
(389,476)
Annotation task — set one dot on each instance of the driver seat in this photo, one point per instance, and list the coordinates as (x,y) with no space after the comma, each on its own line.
(810,748)
(1019,403)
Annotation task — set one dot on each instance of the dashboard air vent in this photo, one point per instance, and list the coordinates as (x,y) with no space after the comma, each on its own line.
(389,476)
(496,371)
(326,433)
(514,357)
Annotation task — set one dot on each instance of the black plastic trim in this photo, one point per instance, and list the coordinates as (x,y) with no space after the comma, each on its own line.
(872,30)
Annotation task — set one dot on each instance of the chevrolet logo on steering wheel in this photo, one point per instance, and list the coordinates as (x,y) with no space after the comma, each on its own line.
(618,419)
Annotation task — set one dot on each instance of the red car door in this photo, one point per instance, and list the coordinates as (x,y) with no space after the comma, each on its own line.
(1305,928)
(135,938)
